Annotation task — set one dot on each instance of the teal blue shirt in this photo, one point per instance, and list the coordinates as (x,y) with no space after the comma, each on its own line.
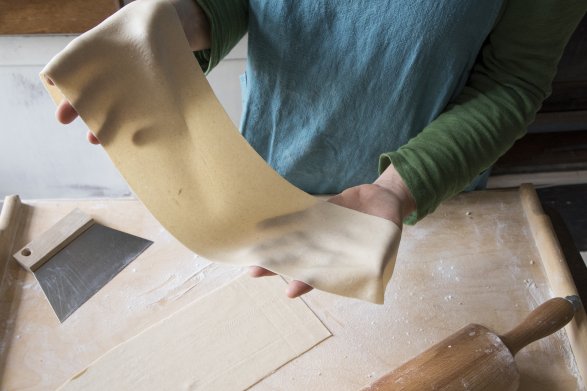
(328,88)
(439,89)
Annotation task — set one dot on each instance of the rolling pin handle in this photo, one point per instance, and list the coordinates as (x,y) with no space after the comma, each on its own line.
(546,319)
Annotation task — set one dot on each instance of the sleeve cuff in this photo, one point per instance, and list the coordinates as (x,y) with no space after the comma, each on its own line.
(412,181)
(228,24)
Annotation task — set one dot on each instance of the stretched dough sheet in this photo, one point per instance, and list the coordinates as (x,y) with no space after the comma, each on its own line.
(136,84)
(227,340)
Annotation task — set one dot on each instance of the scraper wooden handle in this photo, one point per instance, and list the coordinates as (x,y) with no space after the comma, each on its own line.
(543,321)
(36,253)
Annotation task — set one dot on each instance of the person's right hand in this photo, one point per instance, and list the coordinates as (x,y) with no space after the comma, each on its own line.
(197,30)
(65,114)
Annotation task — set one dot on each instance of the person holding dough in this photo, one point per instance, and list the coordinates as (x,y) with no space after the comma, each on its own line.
(394,106)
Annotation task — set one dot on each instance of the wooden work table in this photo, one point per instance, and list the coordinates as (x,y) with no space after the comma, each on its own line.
(484,257)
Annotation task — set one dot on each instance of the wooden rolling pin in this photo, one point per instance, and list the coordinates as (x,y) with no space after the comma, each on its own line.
(475,358)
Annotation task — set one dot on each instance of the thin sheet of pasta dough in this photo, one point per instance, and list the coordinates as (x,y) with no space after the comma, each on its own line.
(227,340)
(137,85)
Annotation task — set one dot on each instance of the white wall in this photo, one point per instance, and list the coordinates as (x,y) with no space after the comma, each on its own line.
(40,158)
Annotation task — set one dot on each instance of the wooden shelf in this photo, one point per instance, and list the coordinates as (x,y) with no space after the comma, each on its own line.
(52,16)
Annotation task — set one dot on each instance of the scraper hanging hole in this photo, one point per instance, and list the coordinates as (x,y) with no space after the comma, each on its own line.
(25,252)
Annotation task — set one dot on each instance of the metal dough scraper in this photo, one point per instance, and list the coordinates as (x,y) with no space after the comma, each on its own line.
(76,257)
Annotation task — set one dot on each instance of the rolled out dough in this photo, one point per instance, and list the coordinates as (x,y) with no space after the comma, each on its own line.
(136,84)
(227,340)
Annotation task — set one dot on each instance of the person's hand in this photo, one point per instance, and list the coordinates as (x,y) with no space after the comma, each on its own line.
(197,30)
(65,114)
(294,289)
(388,197)
(372,199)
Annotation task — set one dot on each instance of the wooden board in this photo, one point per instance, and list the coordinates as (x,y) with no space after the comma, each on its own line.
(473,261)
(540,179)
(53,16)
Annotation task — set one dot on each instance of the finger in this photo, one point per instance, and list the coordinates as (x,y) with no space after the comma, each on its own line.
(65,112)
(257,271)
(337,199)
(297,288)
(93,139)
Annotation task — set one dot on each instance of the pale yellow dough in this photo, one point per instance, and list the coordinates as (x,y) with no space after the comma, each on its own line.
(135,82)
(228,340)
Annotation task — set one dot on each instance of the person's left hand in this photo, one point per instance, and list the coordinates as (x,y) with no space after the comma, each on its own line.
(388,198)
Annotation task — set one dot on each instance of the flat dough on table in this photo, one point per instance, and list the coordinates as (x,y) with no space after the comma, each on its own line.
(228,340)
(137,85)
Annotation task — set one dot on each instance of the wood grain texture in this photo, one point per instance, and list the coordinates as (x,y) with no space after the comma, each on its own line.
(11,221)
(53,16)
(9,224)
(34,254)
(454,268)
(556,270)
(546,319)
(475,358)
(539,179)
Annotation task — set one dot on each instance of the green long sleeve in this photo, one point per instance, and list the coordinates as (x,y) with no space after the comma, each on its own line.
(512,77)
(507,85)
(228,24)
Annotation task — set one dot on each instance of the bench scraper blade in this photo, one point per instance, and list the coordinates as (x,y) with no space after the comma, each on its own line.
(85,265)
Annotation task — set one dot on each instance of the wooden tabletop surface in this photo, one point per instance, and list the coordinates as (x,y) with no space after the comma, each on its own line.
(475,260)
